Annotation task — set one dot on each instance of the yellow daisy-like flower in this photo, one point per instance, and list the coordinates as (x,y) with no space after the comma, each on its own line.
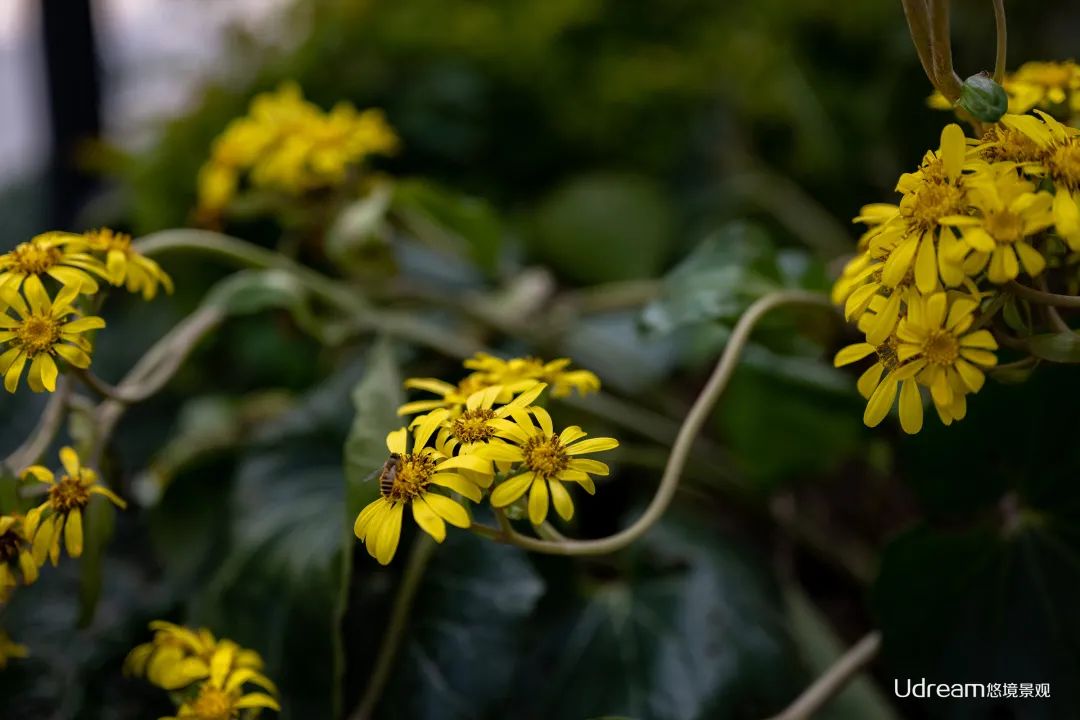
(222,696)
(126,266)
(42,330)
(10,650)
(518,374)
(1002,143)
(59,255)
(915,238)
(935,341)
(480,421)
(1009,212)
(409,478)
(16,557)
(1044,85)
(547,461)
(1061,156)
(178,657)
(880,383)
(62,514)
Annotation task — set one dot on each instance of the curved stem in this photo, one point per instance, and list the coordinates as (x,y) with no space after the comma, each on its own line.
(421,553)
(947,81)
(52,417)
(918,19)
(834,680)
(1002,41)
(680,451)
(1043,298)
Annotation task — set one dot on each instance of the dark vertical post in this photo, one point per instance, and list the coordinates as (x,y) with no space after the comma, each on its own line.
(71,66)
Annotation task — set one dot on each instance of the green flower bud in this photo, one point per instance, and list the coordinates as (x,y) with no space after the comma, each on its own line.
(983,98)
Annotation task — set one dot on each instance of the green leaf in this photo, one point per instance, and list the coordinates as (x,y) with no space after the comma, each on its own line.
(249,292)
(375,399)
(604,228)
(989,604)
(285,543)
(685,626)
(723,274)
(466,633)
(359,227)
(1057,347)
(445,220)
(983,98)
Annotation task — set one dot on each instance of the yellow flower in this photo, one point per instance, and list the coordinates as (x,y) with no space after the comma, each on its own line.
(935,341)
(1009,212)
(16,557)
(1002,143)
(880,382)
(480,421)
(287,144)
(59,255)
(222,696)
(1061,156)
(10,650)
(178,657)
(125,266)
(518,374)
(1044,85)
(547,461)
(914,239)
(62,514)
(42,330)
(409,479)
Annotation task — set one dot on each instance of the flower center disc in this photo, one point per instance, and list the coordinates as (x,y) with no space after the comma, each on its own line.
(37,334)
(473,426)
(1065,165)
(545,456)
(941,348)
(34,259)
(932,202)
(213,704)
(10,543)
(412,477)
(69,494)
(1004,226)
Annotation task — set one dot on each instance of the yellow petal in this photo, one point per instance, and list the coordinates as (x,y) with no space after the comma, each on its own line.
(73,533)
(428,520)
(911,409)
(926,278)
(449,510)
(510,490)
(560,498)
(389,535)
(953,149)
(880,402)
(538,501)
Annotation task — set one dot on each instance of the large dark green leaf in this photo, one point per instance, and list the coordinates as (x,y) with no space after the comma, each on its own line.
(690,627)
(1059,347)
(285,544)
(466,634)
(990,604)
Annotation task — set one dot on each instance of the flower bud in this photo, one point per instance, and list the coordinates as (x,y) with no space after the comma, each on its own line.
(983,98)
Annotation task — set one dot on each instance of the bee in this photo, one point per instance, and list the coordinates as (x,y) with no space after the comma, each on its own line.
(389,473)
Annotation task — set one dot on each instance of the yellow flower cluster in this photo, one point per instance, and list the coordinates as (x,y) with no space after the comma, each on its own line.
(289,145)
(37,327)
(975,215)
(485,436)
(1053,87)
(27,542)
(206,675)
